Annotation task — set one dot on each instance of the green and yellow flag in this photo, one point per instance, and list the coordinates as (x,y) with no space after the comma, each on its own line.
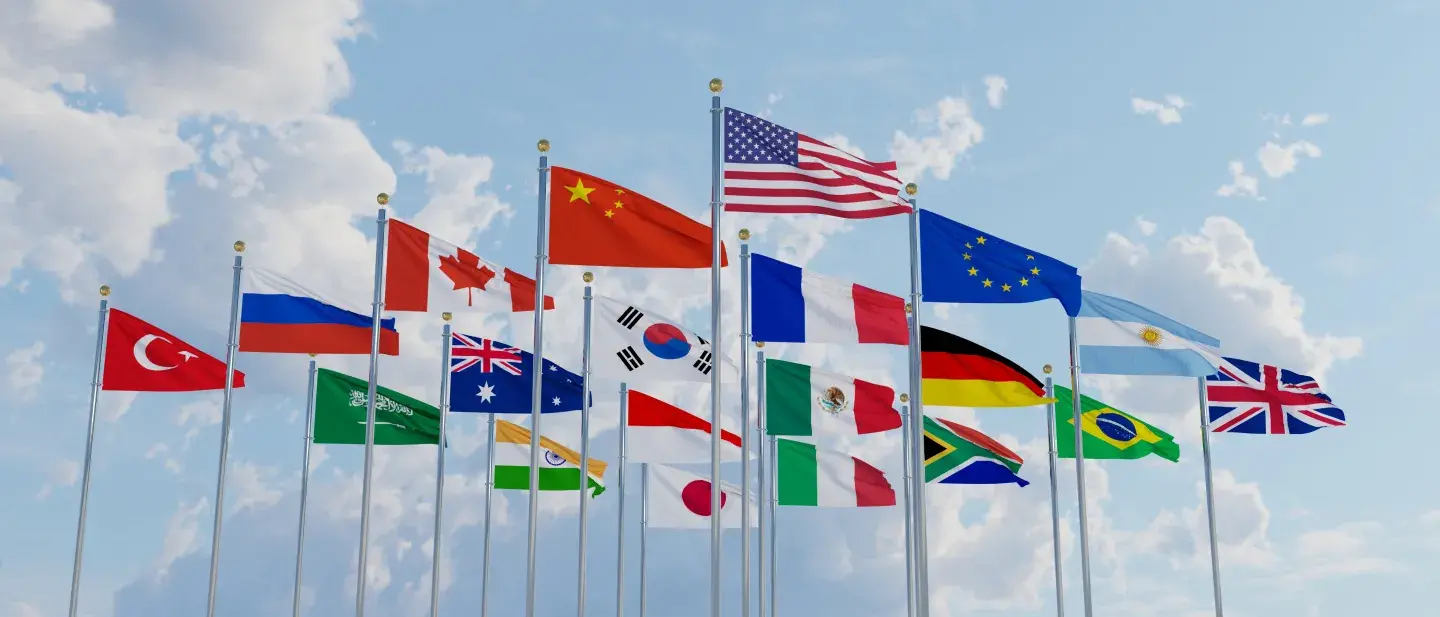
(1108,432)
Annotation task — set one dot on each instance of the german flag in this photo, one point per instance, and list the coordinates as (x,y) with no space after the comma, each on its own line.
(956,372)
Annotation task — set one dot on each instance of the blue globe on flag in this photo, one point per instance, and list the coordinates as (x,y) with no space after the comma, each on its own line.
(1116,427)
(666,342)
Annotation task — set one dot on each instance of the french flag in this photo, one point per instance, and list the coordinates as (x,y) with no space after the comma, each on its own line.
(791,305)
(278,315)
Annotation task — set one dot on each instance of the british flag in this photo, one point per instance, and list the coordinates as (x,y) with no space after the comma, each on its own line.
(1249,397)
(468,351)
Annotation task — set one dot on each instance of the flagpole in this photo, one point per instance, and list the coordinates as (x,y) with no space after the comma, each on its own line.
(717,154)
(584,443)
(644,527)
(304,482)
(763,475)
(489,510)
(541,244)
(440,468)
(1080,470)
(620,518)
(906,420)
(230,348)
(917,408)
(1054,493)
(95,378)
(377,307)
(1210,496)
(744,422)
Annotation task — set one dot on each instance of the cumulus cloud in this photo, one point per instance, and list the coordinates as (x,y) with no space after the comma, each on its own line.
(1241,184)
(955,132)
(1279,161)
(1315,119)
(1166,111)
(25,372)
(995,87)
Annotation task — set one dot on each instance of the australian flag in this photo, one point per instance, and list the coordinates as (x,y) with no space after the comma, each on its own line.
(488,376)
(1248,397)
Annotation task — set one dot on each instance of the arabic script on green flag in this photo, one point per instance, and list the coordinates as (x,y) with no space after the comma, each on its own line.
(340,408)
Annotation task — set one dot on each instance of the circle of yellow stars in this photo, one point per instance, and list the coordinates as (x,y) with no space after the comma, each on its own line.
(580,192)
(987,282)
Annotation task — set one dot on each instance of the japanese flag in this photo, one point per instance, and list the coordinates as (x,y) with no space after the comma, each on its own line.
(681,500)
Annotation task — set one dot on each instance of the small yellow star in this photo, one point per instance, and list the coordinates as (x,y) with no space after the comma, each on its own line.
(619,191)
(968,245)
(1024,282)
(1005,287)
(986,282)
(609,214)
(966,256)
(1035,271)
(619,204)
(1030,257)
(579,191)
(980,240)
(973,271)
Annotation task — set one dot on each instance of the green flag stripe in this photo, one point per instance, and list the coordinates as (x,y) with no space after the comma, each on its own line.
(517,477)
(787,398)
(798,481)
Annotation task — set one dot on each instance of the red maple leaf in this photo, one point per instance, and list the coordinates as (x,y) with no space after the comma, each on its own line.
(467,276)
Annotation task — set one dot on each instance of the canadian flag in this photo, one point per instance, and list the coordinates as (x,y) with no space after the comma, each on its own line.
(659,432)
(426,274)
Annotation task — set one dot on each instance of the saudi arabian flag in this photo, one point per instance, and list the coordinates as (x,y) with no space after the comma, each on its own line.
(1108,432)
(810,476)
(340,410)
(559,465)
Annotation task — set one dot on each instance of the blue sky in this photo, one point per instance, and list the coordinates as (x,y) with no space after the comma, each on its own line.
(138,140)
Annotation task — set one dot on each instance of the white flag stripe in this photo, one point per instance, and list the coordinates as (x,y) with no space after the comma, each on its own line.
(829,309)
(835,475)
(666,444)
(667,508)
(1101,332)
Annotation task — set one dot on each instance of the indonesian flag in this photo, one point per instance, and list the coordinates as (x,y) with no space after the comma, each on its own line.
(426,274)
(658,432)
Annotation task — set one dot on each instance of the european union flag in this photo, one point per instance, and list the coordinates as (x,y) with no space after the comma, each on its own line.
(961,264)
(488,376)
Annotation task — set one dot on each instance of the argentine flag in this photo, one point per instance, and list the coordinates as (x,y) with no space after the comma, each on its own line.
(1119,337)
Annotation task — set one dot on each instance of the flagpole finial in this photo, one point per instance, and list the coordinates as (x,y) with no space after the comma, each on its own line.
(543,145)
(911,189)
(313,354)
(104,291)
(904,398)
(588,276)
(744,235)
(239,246)
(760,344)
(716,85)
(446,315)
(1047,369)
(382,199)
(908,308)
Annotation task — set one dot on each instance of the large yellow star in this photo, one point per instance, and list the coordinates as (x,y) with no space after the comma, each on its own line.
(619,204)
(987,282)
(973,271)
(579,191)
(1035,271)
(966,256)
(980,240)
(609,214)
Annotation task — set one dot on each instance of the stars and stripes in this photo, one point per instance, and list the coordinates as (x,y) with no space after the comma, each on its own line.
(466,351)
(772,169)
(1248,397)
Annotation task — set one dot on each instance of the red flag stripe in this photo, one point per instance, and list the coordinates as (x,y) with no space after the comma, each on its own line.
(646,410)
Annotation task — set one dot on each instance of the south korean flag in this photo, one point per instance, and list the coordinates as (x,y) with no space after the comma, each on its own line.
(632,343)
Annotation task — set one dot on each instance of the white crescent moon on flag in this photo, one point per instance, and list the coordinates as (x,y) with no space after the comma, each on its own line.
(143,359)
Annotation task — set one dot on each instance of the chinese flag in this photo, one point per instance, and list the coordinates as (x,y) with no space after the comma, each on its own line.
(140,357)
(594,222)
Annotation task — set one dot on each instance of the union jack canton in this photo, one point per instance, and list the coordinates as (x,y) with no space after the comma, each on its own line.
(1260,399)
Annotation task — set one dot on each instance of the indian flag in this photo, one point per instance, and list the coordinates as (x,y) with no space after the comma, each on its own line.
(810,476)
(559,465)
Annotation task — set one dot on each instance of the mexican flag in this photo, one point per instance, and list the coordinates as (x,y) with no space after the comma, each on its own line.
(801,400)
(559,465)
(810,476)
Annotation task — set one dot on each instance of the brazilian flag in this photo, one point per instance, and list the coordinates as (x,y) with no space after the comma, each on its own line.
(1108,432)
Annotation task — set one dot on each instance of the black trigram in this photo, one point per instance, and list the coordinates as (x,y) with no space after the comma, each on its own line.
(630,317)
(703,342)
(629,358)
(702,363)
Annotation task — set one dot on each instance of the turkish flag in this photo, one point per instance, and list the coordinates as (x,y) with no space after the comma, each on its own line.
(142,358)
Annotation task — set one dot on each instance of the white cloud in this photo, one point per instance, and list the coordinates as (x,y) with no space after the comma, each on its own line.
(843,143)
(995,87)
(1315,119)
(68,21)
(1167,112)
(1146,227)
(25,370)
(63,473)
(1345,550)
(247,487)
(1241,183)
(1278,161)
(958,131)
(182,535)
(16,608)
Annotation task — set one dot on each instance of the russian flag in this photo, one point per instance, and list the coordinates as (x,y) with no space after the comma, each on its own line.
(278,315)
(792,305)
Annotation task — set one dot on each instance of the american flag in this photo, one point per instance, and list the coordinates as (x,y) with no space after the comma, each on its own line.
(772,169)
(467,351)
(1248,397)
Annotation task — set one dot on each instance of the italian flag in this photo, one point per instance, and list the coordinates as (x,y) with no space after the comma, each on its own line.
(809,476)
(801,400)
(559,465)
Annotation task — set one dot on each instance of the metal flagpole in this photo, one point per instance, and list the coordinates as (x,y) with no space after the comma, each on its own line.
(304,483)
(541,244)
(100,332)
(1210,496)
(584,445)
(917,409)
(620,517)
(440,468)
(489,510)
(774,524)
(717,154)
(377,307)
(764,473)
(906,420)
(644,527)
(230,348)
(744,422)
(1054,494)
(1080,470)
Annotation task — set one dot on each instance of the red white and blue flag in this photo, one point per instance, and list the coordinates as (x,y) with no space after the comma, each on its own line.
(1261,399)
(774,170)
(488,376)
(279,315)
(635,344)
